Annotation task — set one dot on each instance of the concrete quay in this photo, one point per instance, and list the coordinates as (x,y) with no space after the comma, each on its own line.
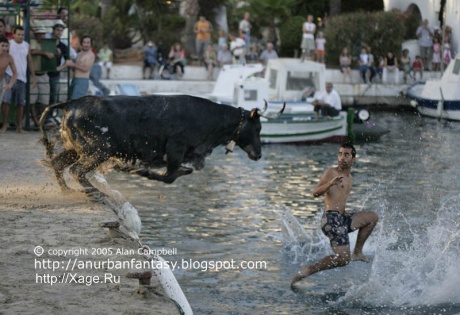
(194,81)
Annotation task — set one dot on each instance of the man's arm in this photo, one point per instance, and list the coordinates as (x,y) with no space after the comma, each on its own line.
(326,182)
(47,54)
(31,68)
(15,74)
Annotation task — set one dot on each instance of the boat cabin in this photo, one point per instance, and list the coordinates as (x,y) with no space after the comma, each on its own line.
(291,80)
(286,80)
(449,83)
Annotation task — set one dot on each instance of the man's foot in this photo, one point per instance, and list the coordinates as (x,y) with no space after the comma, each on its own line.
(360,257)
(20,130)
(303,273)
(3,129)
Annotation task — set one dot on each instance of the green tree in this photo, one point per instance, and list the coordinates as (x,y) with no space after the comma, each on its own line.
(313,7)
(121,24)
(382,31)
(291,35)
(270,13)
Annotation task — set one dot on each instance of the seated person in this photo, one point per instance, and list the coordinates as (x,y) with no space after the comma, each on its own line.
(224,56)
(328,103)
(210,61)
(177,59)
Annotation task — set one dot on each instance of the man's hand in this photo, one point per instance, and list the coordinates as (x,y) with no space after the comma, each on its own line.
(49,55)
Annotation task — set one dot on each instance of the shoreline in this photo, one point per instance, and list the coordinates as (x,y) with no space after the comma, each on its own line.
(36,213)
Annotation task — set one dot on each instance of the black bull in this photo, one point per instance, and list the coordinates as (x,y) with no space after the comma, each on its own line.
(154,130)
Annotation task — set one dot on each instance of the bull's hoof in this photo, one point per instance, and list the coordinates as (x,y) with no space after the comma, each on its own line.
(185,171)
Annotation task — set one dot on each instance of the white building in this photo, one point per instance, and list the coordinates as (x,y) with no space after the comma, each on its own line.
(429,9)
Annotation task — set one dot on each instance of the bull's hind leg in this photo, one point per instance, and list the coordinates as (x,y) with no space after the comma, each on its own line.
(59,163)
(84,165)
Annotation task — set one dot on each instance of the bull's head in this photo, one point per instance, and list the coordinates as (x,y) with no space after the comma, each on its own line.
(249,135)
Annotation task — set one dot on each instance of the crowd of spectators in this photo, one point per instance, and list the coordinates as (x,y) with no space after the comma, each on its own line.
(47,54)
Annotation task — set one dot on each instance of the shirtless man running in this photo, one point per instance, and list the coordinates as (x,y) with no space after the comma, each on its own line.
(335,184)
(6,60)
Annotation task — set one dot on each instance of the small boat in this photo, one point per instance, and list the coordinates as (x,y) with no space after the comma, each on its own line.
(292,82)
(439,98)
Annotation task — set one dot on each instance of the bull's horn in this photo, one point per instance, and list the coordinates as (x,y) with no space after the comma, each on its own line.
(261,112)
(273,116)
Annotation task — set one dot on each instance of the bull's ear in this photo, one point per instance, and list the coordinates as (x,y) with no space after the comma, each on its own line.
(254,113)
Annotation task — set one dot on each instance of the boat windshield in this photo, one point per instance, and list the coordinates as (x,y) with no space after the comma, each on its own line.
(297,80)
(303,83)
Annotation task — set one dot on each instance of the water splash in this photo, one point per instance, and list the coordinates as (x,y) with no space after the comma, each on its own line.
(420,271)
(298,243)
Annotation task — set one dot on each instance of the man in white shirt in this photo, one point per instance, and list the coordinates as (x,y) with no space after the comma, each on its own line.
(329,103)
(237,48)
(20,51)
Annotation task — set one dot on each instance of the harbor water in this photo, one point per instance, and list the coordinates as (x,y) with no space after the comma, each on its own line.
(259,223)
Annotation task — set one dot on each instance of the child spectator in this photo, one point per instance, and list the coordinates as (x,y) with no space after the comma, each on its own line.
(210,61)
(222,40)
(436,61)
(447,55)
(406,65)
(417,66)
(345,64)
(320,47)
(252,55)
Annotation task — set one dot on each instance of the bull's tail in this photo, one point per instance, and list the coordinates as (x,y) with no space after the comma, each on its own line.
(49,145)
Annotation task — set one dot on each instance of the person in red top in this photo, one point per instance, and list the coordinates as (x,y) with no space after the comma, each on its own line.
(177,58)
(418,67)
(5,30)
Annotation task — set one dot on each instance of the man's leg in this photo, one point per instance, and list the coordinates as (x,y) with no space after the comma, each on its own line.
(5,107)
(20,113)
(365,221)
(316,110)
(341,258)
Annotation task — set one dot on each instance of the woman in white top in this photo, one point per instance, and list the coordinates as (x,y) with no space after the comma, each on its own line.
(308,39)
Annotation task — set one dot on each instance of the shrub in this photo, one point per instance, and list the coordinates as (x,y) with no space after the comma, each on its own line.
(291,36)
(88,25)
(382,31)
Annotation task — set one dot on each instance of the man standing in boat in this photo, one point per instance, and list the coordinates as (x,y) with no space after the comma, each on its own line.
(335,184)
(328,103)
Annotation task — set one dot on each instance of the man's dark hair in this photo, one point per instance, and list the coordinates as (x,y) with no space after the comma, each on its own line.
(17,27)
(4,40)
(348,145)
(2,21)
(83,38)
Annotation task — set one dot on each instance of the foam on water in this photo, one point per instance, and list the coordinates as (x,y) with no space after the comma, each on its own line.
(414,264)
(300,245)
(423,271)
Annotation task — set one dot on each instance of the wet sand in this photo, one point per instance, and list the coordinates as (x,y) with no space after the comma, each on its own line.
(34,213)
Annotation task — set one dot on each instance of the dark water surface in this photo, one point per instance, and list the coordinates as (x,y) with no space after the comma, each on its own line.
(237,209)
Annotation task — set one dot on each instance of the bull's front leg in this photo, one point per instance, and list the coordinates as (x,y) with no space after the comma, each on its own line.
(168,179)
(174,156)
